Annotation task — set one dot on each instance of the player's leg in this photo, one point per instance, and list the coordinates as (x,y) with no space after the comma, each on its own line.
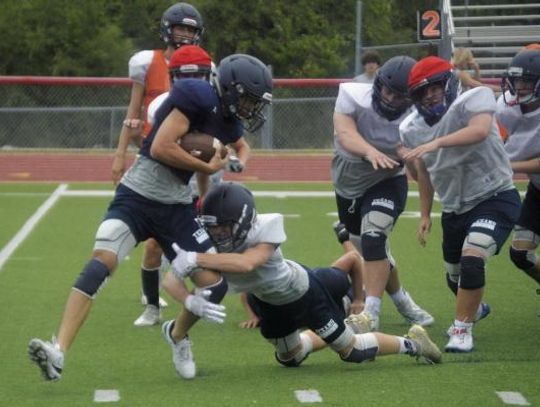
(527,235)
(150,277)
(489,225)
(114,240)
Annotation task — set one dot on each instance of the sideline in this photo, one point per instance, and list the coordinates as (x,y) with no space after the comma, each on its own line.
(30,224)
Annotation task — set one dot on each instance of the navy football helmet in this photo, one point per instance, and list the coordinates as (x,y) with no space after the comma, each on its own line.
(524,69)
(393,75)
(181,14)
(244,85)
(227,214)
(425,73)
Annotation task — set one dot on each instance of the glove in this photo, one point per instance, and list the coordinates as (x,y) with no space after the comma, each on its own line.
(199,305)
(235,165)
(184,262)
(341,232)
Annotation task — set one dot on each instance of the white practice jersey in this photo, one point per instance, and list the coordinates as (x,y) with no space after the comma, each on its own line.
(278,281)
(462,176)
(523,141)
(353,175)
(138,65)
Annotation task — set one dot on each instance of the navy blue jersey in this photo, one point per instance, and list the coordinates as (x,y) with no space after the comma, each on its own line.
(198,101)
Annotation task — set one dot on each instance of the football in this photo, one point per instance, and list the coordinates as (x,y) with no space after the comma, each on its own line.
(202,145)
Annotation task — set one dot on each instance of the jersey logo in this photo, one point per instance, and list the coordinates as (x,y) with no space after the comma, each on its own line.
(484,223)
(200,235)
(385,203)
(328,329)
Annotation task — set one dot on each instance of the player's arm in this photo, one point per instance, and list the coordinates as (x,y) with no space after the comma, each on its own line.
(531,166)
(165,147)
(348,136)
(238,263)
(131,131)
(426,192)
(203,183)
(242,150)
(476,131)
(352,263)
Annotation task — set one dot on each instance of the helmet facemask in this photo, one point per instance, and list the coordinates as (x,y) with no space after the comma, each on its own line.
(524,89)
(388,102)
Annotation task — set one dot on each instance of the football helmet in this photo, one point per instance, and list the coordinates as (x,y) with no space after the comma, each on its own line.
(181,14)
(227,214)
(244,85)
(425,73)
(190,61)
(524,70)
(393,76)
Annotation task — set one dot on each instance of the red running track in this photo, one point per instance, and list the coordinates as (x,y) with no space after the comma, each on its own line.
(81,167)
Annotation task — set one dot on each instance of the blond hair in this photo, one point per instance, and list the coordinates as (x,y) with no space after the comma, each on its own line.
(462,56)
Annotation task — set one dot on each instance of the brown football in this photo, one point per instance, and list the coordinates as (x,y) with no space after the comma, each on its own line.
(202,145)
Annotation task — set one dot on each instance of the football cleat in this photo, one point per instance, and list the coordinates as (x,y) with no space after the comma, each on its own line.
(48,356)
(425,347)
(461,340)
(412,313)
(362,323)
(181,352)
(150,316)
(483,311)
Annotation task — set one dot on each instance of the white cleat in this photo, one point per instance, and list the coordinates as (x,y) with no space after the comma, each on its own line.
(48,356)
(413,314)
(181,352)
(483,311)
(425,347)
(362,323)
(162,302)
(150,316)
(461,340)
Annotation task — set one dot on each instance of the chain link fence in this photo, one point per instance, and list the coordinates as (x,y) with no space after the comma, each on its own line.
(87,113)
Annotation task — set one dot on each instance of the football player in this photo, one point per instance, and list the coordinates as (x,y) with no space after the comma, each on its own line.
(181,24)
(154,200)
(288,295)
(453,145)
(518,108)
(370,182)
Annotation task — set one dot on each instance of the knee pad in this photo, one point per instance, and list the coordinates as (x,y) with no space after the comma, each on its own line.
(472,273)
(218,290)
(94,275)
(481,242)
(374,246)
(365,347)
(452,276)
(114,235)
(523,259)
(284,346)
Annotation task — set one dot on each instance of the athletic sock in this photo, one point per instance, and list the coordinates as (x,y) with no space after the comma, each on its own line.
(150,285)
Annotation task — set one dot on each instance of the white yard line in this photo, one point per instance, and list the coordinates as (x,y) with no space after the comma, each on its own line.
(30,224)
(106,396)
(308,396)
(513,398)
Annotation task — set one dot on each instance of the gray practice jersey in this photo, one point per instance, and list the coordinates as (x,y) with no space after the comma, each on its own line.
(278,281)
(352,175)
(156,182)
(523,141)
(466,175)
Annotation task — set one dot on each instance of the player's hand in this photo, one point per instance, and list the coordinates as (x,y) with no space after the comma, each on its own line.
(118,168)
(217,163)
(424,227)
(380,161)
(234,164)
(133,123)
(419,151)
(357,307)
(184,262)
(251,323)
(199,305)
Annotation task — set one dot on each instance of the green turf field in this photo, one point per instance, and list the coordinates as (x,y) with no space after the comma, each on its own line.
(237,367)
